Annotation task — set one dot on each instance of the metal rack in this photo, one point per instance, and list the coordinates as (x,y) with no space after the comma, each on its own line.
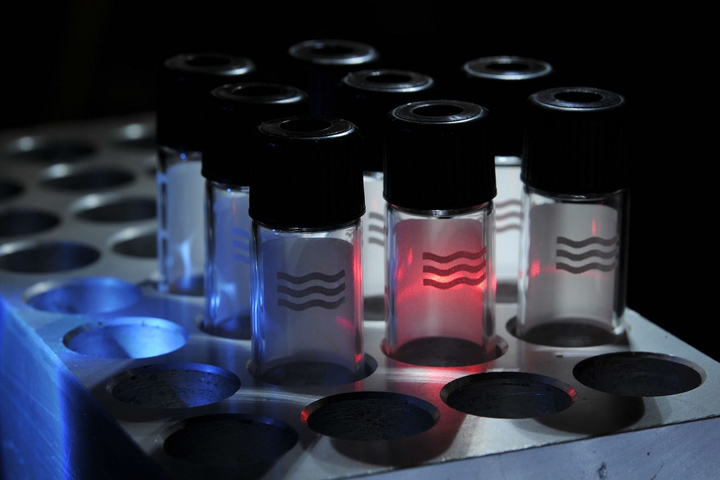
(103,377)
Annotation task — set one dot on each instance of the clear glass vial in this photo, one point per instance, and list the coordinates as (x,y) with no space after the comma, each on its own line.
(184,83)
(306,203)
(234,112)
(439,187)
(365,97)
(502,83)
(318,65)
(575,218)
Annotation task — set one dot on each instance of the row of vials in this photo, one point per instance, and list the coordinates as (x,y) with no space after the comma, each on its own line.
(301,210)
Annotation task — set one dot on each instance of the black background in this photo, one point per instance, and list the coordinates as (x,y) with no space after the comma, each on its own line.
(76,60)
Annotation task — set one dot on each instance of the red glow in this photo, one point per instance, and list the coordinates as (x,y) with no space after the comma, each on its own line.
(594,227)
(535,268)
(440,292)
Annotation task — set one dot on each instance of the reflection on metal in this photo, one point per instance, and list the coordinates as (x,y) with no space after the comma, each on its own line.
(101,376)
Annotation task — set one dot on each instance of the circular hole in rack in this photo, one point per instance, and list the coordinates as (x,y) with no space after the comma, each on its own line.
(182,385)
(9,189)
(49,150)
(312,374)
(446,352)
(96,178)
(136,136)
(370,416)
(251,443)
(46,257)
(508,395)
(120,210)
(127,337)
(639,374)
(136,242)
(83,295)
(24,221)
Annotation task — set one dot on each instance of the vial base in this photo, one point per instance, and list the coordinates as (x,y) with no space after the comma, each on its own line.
(442,352)
(570,333)
(306,374)
(193,286)
(239,327)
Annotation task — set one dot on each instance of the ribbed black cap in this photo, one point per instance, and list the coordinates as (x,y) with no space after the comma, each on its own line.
(307,173)
(438,156)
(233,113)
(365,97)
(575,141)
(502,84)
(181,81)
(318,65)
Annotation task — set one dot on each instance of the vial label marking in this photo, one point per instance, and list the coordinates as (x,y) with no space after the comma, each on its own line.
(302,292)
(572,251)
(376,229)
(432,280)
(241,245)
(508,215)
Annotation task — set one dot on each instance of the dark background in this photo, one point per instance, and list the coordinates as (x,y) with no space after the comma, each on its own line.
(76,60)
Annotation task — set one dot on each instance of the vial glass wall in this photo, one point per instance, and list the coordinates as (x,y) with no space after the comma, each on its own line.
(439,184)
(306,203)
(365,97)
(574,234)
(572,266)
(502,84)
(184,84)
(234,112)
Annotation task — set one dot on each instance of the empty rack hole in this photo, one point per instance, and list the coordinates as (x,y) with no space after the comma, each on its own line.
(508,395)
(136,243)
(174,385)
(249,444)
(9,189)
(126,337)
(49,150)
(46,257)
(88,179)
(25,221)
(639,374)
(120,210)
(83,295)
(370,416)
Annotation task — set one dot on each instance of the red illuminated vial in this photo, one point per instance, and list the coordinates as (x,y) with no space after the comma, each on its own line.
(439,185)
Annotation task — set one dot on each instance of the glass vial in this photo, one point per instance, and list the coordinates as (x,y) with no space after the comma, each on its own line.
(575,218)
(439,186)
(365,98)
(184,82)
(234,112)
(318,65)
(306,203)
(502,84)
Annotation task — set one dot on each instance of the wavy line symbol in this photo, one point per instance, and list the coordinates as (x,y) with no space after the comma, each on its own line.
(240,245)
(459,268)
(507,215)
(592,253)
(312,290)
(376,229)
